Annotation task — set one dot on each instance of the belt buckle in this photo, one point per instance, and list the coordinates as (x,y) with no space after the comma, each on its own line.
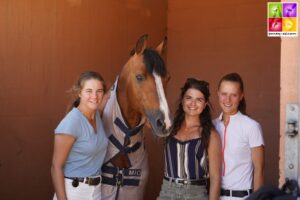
(92,181)
(119,178)
(180,181)
(89,180)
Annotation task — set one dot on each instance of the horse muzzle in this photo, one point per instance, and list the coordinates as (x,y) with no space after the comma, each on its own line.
(160,124)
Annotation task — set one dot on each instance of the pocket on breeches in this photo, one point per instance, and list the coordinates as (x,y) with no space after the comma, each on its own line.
(82,192)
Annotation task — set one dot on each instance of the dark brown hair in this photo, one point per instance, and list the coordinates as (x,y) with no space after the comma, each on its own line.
(204,117)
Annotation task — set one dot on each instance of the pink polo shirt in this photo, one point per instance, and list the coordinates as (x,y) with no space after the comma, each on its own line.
(241,134)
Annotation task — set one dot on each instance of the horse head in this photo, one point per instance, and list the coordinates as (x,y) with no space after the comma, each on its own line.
(141,88)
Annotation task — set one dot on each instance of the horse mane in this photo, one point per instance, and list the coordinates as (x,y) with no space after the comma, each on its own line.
(153,61)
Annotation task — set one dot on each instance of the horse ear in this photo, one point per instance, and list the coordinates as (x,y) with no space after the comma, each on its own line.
(162,46)
(141,44)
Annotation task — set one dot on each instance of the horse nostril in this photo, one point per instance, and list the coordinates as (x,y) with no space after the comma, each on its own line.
(160,124)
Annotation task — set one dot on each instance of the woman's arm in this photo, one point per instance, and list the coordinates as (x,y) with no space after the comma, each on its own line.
(62,146)
(257,155)
(214,157)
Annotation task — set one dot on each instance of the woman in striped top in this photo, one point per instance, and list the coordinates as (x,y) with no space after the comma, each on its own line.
(192,144)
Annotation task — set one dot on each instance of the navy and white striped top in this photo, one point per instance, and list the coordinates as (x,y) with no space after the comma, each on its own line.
(186,160)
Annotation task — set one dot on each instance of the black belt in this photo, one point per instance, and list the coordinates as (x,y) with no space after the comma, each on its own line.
(186,182)
(87,180)
(235,193)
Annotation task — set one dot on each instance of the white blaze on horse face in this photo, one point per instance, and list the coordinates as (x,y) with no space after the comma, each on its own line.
(163,105)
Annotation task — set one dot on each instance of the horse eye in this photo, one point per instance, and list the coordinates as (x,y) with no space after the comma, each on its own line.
(140,77)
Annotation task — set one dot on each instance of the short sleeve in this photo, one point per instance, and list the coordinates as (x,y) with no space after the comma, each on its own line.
(70,125)
(255,135)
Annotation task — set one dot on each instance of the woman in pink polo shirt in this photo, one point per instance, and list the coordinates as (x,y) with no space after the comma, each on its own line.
(242,142)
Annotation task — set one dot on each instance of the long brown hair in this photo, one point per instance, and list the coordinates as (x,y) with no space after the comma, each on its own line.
(204,117)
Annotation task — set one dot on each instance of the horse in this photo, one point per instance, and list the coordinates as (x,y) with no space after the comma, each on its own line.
(137,98)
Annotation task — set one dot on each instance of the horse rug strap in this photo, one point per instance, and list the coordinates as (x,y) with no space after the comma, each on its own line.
(127,147)
(128,132)
(118,179)
(118,176)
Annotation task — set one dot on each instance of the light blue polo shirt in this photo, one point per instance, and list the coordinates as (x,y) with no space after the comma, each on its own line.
(87,154)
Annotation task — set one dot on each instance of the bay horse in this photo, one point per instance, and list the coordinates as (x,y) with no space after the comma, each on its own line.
(137,97)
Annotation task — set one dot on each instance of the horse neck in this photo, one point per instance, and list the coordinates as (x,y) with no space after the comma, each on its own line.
(130,115)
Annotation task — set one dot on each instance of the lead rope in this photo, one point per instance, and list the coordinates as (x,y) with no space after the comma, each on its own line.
(119,176)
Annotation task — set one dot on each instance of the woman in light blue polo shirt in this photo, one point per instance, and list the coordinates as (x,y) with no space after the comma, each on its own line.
(80,143)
